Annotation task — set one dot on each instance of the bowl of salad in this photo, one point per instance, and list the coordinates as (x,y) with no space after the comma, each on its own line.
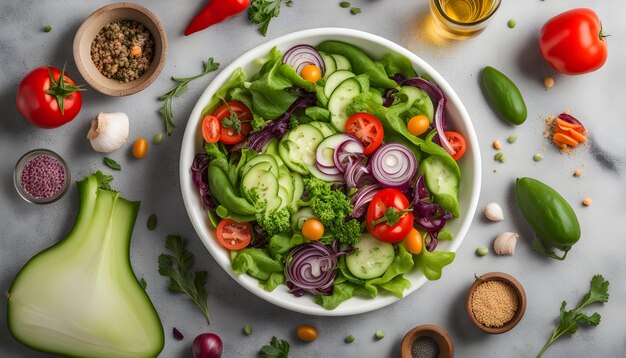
(330,171)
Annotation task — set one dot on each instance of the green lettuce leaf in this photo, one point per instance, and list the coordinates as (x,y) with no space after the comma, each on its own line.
(256,263)
(432,263)
(392,279)
(280,245)
(276,279)
(394,63)
(341,292)
(236,79)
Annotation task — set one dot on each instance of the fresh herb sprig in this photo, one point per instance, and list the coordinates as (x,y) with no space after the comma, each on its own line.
(232,121)
(262,11)
(178,90)
(570,320)
(182,280)
(276,349)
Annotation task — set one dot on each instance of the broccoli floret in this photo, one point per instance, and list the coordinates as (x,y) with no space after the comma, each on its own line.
(348,232)
(274,222)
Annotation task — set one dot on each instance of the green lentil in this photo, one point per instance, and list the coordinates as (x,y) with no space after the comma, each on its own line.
(344,4)
(511,23)
(380,334)
(355,10)
(537,157)
(512,139)
(349,339)
(498,156)
(157,139)
(47,28)
(482,251)
(247,330)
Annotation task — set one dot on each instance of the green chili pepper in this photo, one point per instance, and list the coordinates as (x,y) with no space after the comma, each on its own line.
(550,216)
(504,96)
(224,192)
(361,63)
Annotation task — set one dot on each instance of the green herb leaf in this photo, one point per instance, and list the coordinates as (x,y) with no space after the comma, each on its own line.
(178,90)
(570,320)
(111,163)
(355,11)
(262,11)
(143,283)
(344,4)
(177,268)
(152,222)
(276,349)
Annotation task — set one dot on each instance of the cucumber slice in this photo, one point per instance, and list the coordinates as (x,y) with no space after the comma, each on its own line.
(340,99)
(372,258)
(298,190)
(272,149)
(342,62)
(285,198)
(326,150)
(262,158)
(329,64)
(326,177)
(260,179)
(326,128)
(335,80)
(286,184)
(298,149)
(299,217)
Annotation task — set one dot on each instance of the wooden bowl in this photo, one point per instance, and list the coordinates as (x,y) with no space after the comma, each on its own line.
(517,287)
(438,334)
(90,28)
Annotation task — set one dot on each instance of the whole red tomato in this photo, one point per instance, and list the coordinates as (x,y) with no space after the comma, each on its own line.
(48,98)
(389,217)
(573,42)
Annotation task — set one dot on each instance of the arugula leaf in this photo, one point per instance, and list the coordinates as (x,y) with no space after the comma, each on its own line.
(276,349)
(262,11)
(177,268)
(570,320)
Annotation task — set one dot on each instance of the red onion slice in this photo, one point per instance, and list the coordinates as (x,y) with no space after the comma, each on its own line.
(393,165)
(348,152)
(300,56)
(325,152)
(361,199)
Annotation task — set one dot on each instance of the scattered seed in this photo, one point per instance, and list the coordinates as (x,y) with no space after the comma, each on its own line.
(247,330)
(355,10)
(512,138)
(349,339)
(496,145)
(482,250)
(344,4)
(511,23)
(587,201)
(537,157)
(577,173)
(47,28)
(548,82)
(380,334)
(158,139)
(152,222)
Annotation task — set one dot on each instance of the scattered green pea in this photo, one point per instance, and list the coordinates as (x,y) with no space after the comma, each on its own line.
(511,23)
(355,10)
(344,4)
(157,139)
(247,330)
(152,222)
(47,28)
(498,156)
(512,139)
(537,157)
(380,334)
(349,339)
(482,251)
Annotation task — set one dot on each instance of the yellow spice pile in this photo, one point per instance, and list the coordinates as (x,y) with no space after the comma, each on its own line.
(494,303)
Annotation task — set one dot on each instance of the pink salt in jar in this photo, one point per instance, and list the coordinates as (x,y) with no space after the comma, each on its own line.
(41,176)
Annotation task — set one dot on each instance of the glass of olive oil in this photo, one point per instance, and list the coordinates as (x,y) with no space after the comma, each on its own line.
(462,19)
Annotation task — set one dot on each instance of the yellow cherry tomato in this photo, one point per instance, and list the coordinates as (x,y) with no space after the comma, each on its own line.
(418,125)
(311,73)
(140,148)
(414,242)
(307,333)
(313,229)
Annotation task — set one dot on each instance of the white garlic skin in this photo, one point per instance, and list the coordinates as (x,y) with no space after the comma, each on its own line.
(505,243)
(493,212)
(108,132)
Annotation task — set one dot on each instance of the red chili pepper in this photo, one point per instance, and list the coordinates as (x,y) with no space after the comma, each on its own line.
(215,12)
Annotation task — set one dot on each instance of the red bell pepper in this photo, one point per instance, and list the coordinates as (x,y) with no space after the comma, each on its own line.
(215,12)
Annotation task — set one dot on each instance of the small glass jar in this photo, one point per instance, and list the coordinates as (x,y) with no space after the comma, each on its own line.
(470,18)
(41,176)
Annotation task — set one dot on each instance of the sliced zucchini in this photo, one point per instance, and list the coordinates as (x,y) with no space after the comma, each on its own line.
(372,258)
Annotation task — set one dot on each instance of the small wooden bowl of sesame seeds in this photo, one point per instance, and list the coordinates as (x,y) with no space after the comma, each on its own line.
(496,302)
(120,49)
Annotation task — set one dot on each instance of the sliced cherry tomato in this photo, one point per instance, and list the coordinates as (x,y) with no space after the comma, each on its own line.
(234,235)
(313,229)
(457,142)
(229,135)
(211,129)
(367,129)
(389,218)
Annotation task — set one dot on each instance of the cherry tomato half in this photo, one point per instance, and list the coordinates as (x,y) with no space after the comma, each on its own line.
(230,135)
(394,227)
(367,129)
(234,235)
(211,129)
(457,142)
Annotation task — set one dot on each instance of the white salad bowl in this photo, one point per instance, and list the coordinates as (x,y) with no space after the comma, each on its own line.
(375,46)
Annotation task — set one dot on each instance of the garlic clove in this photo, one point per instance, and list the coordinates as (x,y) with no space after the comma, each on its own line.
(108,132)
(505,243)
(493,212)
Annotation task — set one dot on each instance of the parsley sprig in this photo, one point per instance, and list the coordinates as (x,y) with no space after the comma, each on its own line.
(182,280)
(232,121)
(570,320)
(178,90)
(262,11)
(276,349)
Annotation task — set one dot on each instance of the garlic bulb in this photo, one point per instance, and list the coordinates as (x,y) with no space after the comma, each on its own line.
(493,212)
(505,243)
(108,132)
